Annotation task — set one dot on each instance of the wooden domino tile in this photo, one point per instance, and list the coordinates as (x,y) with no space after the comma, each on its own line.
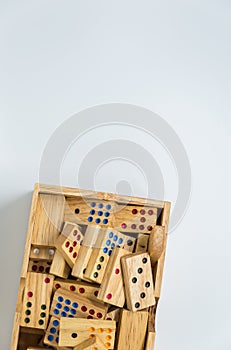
(74,331)
(132,330)
(138,280)
(39,266)
(112,287)
(59,267)
(107,240)
(48,219)
(93,343)
(89,211)
(80,266)
(150,342)
(70,304)
(157,243)
(68,243)
(85,289)
(142,243)
(137,219)
(52,333)
(85,251)
(42,252)
(36,300)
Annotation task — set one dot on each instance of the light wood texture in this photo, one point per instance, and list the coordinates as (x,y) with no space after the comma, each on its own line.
(89,211)
(158,275)
(91,235)
(112,287)
(41,266)
(91,344)
(138,281)
(15,331)
(66,303)
(41,252)
(36,301)
(109,238)
(85,251)
(29,233)
(81,262)
(150,341)
(130,218)
(142,243)
(132,330)
(52,333)
(88,290)
(157,243)
(20,294)
(106,241)
(68,243)
(96,266)
(74,331)
(48,219)
(59,266)
(75,192)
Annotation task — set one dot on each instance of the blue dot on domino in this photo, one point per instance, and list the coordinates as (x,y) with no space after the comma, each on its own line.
(92,212)
(110,234)
(93,204)
(108,242)
(109,252)
(115,238)
(97,220)
(100,213)
(63,314)
(55,323)
(108,206)
(113,245)
(56,311)
(57,340)
(105,221)
(59,306)
(53,330)
(75,305)
(107,214)
(50,337)
(66,308)
(120,241)
(89,219)
(100,205)
(105,250)
(60,299)
(67,301)
(73,311)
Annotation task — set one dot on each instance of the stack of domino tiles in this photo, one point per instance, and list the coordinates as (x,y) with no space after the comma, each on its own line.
(98,284)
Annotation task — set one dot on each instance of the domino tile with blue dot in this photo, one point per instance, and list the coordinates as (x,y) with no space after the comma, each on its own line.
(69,304)
(52,332)
(107,240)
(90,212)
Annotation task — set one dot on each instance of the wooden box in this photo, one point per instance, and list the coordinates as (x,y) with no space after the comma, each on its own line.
(146,220)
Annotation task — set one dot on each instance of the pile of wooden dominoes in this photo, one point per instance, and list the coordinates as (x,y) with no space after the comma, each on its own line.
(95,288)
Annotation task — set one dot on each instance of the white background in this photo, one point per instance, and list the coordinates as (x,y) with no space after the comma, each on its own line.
(172,57)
